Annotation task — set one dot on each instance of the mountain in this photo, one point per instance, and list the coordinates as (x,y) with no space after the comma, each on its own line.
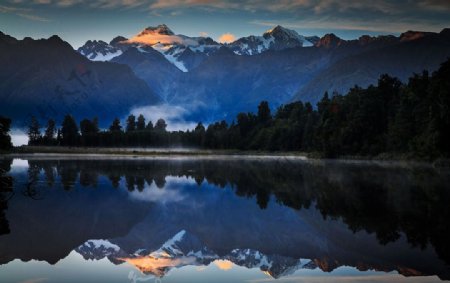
(48,79)
(99,50)
(278,38)
(217,81)
(411,52)
(209,80)
(186,249)
(187,52)
(182,51)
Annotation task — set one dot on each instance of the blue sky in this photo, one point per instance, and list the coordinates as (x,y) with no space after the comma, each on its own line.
(79,20)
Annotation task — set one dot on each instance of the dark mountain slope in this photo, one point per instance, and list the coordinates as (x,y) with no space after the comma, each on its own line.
(401,59)
(48,79)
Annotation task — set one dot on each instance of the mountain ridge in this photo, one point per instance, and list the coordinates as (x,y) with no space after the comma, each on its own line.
(46,78)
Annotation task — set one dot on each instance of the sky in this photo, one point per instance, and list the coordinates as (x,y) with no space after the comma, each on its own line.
(77,21)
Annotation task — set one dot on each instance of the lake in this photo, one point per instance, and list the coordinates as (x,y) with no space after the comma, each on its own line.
(224,219)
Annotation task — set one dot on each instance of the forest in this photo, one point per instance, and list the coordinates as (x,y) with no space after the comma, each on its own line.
(410,118)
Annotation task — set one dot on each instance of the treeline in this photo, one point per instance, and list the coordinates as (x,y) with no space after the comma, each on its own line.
(135,133)
(411,118)
(5,138)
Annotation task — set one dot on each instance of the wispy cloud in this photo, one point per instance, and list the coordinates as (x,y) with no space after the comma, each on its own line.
(162,4)
(435,5)
(35,280)
(23,13)
(394,26)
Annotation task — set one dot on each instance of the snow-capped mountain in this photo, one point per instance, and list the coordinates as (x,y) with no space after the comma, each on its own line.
(98,249)
(186,249)
(186,52)
(277,38)
(182,51)
(216,81)
(99,50)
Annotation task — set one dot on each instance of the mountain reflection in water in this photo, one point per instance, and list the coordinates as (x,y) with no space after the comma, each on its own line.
(277,216)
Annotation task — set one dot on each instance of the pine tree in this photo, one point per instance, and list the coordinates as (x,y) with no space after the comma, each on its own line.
(115,126)
(264,112)
(69,131)
(34,132)
(5,138)
(161,125)
(140,125)
(131,123)
(50,131)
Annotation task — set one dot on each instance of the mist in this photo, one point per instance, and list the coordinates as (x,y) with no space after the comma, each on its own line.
(175,116)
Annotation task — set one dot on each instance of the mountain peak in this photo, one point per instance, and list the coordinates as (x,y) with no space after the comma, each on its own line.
(7,38)
(280,32)
(117,39)
(159,29)
(413,35)
(55,38)
(329,40)
(445,31)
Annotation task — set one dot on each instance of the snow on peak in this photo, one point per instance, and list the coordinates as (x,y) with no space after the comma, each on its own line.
(99,50)
(100,243)
(159,29)
(283,33)
(170,248)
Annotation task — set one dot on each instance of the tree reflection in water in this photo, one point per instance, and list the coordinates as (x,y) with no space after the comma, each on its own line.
(383,199)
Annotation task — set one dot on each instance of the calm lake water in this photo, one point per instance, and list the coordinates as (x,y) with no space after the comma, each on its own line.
(230,220)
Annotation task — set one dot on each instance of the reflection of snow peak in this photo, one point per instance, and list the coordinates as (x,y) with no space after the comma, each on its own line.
(186,249)
(169,248)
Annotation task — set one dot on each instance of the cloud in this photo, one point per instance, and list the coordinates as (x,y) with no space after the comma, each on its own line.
(223,264)
(203,34)
(35,280)
(377,25)
(171,193)
(33,17)
(227,38)
(164,4)
(23,13)
(172,114)
(435,5)
(19,137)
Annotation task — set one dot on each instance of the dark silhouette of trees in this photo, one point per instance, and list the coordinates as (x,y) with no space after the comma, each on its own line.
(407,119)
(140,125)
(160,125)
(5,138)
(34,132)
(264,112)
(131,123)
(50,131)
(115,126)
(89,132)
(6,189)
(69,132)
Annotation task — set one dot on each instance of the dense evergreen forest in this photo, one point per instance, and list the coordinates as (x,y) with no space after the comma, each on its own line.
(411,118)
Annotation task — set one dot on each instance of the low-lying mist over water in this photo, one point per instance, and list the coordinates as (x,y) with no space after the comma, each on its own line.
(176,117)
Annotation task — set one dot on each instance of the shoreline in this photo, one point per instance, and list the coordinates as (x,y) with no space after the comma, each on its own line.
(89,153)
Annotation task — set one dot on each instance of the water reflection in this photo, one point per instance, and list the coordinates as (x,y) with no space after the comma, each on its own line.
(280,217)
